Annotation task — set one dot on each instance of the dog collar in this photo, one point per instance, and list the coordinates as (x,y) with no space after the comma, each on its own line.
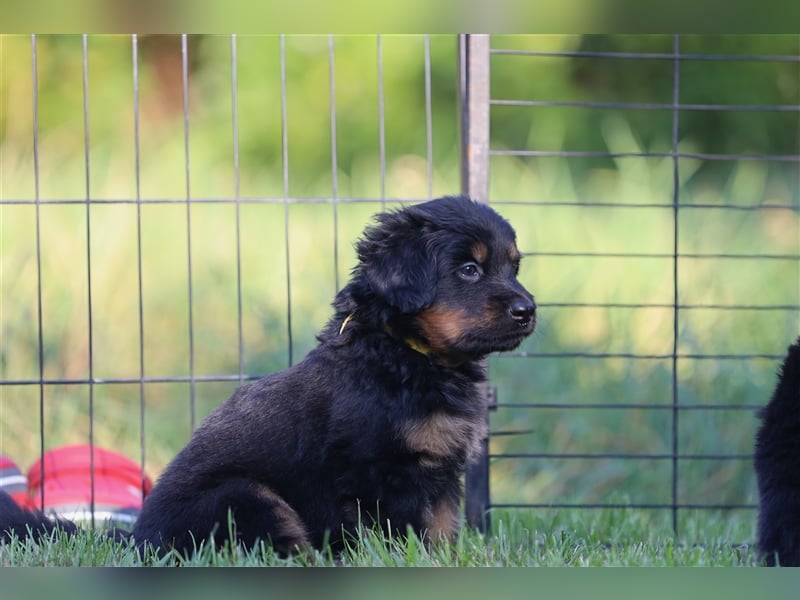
(416,345)
(412,343)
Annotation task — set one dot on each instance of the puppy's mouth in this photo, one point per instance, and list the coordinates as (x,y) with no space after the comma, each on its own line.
(528,324)
(485,342)
(510,340)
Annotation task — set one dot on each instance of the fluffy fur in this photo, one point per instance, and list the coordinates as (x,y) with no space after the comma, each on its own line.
(377,424)
(777,465)
(15,519)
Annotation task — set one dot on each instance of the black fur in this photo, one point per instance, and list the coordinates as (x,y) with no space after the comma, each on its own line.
(378,423)
(19,521)
(777,465)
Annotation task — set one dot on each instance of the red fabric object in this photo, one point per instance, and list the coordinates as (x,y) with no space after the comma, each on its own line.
(67,480)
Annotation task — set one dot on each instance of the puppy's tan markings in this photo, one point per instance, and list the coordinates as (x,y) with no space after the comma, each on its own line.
(442,521)
(480,252)
(441,435)
(290,525)
(443,325)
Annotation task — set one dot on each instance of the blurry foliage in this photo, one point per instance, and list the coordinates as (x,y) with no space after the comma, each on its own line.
(576,79)
(650,81)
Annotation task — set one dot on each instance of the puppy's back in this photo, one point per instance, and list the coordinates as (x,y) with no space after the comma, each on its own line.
(777,465)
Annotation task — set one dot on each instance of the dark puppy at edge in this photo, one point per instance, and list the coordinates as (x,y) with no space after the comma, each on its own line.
(777,465)
(378,423)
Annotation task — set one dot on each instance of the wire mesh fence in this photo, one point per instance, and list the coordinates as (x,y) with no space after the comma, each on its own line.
(669,351)
(178,212)
(102,271)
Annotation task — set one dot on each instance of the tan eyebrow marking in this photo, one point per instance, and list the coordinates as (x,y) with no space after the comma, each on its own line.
(480,252)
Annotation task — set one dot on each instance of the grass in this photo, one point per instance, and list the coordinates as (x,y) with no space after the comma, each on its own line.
(607,537)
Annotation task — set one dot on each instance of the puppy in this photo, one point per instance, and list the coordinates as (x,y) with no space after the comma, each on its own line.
(376,425)
(777,466)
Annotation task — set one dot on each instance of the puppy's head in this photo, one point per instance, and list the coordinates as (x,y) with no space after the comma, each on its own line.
(446,272)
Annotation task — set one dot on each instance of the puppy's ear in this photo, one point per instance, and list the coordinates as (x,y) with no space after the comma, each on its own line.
(398,263)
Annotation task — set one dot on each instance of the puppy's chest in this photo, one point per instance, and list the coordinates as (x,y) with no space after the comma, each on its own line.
(442,437)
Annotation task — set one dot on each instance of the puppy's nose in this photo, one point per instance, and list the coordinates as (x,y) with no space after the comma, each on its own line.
(522,310)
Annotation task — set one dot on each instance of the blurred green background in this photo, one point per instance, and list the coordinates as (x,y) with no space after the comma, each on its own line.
(597,231)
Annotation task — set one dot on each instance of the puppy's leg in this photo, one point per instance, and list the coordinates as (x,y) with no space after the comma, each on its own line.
(238,510)
(442,521)
(265,512)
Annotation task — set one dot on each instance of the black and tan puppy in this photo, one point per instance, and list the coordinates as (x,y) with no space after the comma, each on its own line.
(378,423)
(777,464)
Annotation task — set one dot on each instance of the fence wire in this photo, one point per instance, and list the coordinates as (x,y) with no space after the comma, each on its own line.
(676,500)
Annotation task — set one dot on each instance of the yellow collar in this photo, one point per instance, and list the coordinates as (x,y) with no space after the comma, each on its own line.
(412,343)
(417,345)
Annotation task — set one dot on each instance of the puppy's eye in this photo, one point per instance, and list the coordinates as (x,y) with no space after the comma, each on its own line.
(470,271)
